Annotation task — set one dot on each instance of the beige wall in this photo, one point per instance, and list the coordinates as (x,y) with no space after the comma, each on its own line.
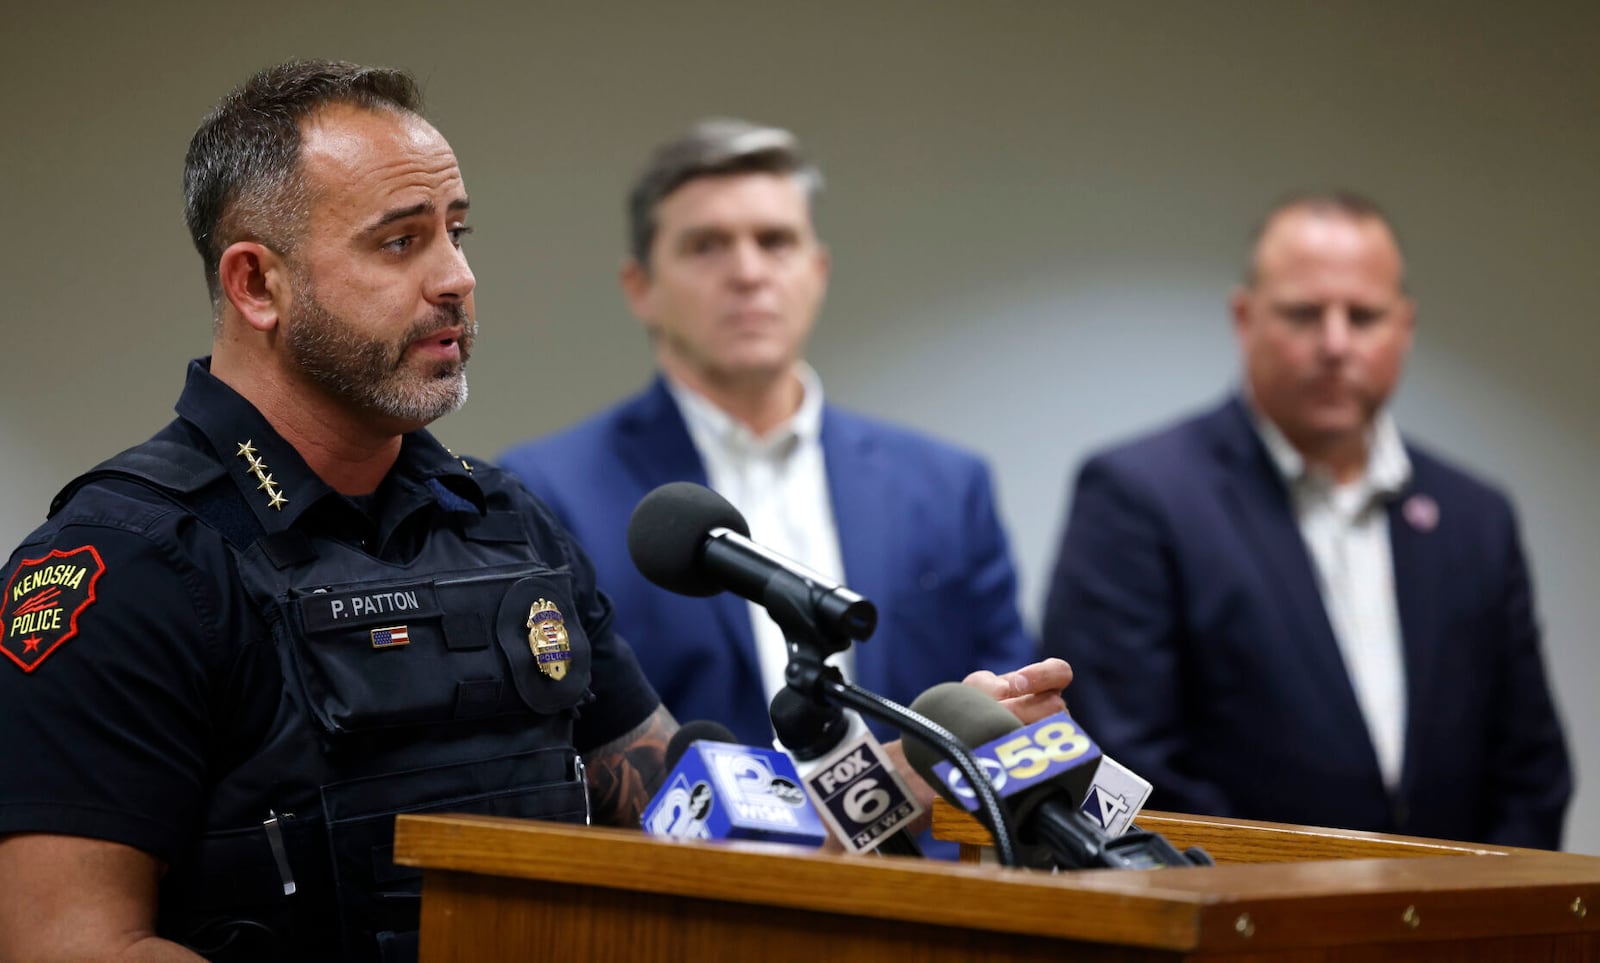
(1036,210)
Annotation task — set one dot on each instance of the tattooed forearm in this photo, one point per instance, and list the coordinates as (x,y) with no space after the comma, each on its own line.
(623,773)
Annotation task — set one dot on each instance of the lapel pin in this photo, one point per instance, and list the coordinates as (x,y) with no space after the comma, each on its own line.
(1421,512)
(391,636)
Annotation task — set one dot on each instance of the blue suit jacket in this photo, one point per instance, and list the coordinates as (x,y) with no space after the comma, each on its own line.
(1187,603)
(917,531)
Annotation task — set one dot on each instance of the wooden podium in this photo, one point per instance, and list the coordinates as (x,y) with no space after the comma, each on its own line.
(501,889)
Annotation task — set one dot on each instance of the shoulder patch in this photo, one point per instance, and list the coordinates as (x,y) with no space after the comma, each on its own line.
(43,600)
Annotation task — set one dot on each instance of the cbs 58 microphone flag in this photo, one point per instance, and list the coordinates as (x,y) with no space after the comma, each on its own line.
(1026,757)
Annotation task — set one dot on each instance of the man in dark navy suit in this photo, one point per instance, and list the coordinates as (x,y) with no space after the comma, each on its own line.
(1280,609)
(727,274)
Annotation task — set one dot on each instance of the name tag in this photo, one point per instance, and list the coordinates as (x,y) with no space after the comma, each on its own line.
(368,606)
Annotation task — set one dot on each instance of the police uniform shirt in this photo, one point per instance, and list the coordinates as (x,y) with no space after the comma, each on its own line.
(136,671)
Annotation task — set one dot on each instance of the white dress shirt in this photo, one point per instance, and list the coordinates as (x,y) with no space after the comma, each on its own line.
(780,484)
(1346,531)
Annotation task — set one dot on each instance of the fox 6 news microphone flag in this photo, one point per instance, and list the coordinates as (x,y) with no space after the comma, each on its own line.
(850,778)
(861,796)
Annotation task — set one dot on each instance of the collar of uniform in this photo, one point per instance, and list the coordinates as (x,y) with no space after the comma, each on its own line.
(711,426)
(1387,471)
(424,458)
(231,423)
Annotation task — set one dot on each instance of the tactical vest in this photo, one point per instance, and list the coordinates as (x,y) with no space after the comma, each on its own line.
(448,683)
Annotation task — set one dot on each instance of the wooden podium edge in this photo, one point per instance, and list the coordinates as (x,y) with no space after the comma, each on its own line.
(1250,841)
(776,875)
(1249,906)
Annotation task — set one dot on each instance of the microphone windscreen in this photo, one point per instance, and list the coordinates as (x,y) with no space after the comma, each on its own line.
(971,716)
(668,531)
(692,732)
(806,728)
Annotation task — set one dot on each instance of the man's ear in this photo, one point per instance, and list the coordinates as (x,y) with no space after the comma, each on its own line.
(255,280)
(1239,310)
(637,288)
(1408,307)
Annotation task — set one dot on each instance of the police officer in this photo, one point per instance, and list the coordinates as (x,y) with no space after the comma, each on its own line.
(237,650)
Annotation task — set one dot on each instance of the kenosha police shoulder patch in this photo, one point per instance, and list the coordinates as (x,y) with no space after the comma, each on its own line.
(43,599)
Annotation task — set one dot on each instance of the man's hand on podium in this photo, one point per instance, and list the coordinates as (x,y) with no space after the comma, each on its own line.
(1029,693)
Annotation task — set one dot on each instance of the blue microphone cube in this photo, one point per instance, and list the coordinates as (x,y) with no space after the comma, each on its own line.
(720,790)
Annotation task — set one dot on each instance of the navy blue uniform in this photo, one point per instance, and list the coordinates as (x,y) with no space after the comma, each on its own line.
(212,656)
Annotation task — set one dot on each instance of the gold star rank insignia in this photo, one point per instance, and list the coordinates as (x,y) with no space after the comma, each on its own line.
(258,467)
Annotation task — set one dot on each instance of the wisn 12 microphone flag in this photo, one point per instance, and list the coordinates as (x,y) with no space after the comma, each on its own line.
(720,790)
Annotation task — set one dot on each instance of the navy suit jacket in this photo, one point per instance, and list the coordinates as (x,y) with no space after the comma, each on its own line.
(1187,603)
(917,531)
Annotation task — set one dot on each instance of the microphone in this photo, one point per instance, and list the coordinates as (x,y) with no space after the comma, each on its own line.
(847,774)
(691,732)
(1044,770)
(719,790)
(688,539)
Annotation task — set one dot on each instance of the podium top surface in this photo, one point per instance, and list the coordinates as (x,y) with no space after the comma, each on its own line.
(1242,907)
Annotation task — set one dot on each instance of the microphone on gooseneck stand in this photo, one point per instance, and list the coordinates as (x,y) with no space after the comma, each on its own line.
(848,775)
(1043,770)
(716,789)
(688,539)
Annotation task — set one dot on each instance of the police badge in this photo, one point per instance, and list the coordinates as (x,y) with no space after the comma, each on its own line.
(547,637)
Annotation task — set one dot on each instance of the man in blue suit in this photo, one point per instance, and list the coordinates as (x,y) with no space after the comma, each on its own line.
(727,274)
(1279,609)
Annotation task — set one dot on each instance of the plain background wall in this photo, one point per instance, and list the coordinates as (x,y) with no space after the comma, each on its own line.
(1036,210)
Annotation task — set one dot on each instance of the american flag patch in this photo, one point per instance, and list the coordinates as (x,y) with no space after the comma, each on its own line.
(391,636)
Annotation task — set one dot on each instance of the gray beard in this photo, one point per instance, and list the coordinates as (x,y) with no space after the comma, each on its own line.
(369,373)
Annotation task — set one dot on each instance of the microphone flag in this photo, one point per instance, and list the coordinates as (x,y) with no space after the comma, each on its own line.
(860,795)
(720,790)
(1026,757)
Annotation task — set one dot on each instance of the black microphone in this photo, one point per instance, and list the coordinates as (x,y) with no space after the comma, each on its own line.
(849,776)
(688,539)
(691,732)
(1046,813)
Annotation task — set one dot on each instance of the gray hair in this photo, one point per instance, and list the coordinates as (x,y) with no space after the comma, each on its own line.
(241,176)
(711,148)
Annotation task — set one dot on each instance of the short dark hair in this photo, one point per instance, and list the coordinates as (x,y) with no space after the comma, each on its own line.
(1341,202)
(241,175)
(711,148)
